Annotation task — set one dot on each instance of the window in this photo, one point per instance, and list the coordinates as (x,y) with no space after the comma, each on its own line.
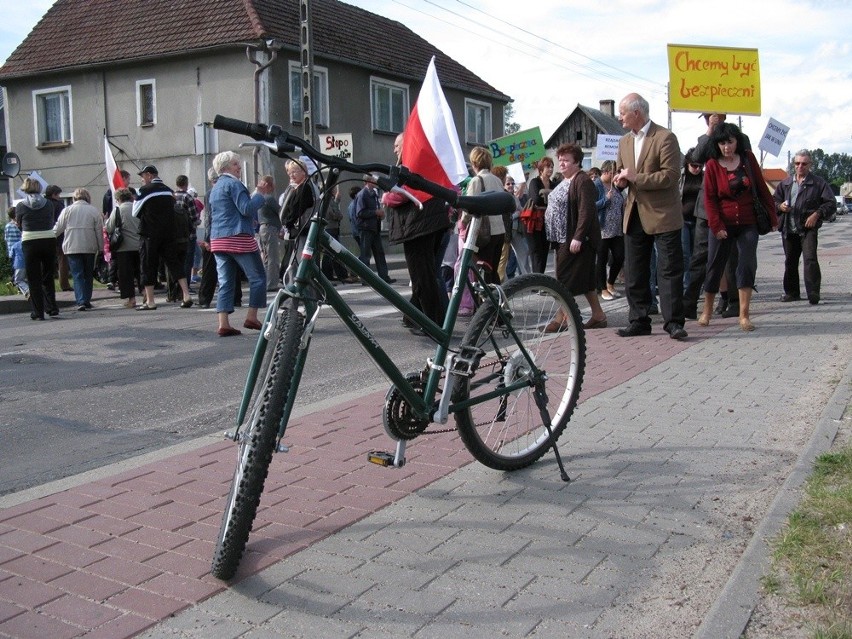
(389,105)
(52,109)
(477,122)
(146,102)
(319,97)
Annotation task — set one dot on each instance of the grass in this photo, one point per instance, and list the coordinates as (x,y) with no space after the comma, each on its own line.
(812,557)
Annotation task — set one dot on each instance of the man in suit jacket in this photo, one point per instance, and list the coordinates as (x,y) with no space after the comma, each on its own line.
(650,161)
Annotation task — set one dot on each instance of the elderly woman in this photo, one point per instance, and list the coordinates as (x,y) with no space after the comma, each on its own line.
(83,227)
(38,243)
(126,256)
(296,209)
(233,217)
(571,220)
(732,178)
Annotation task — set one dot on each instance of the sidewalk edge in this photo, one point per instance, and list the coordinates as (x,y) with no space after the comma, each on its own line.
(730,614)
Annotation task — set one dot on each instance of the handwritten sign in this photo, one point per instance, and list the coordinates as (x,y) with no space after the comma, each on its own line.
(607,148)
(714,79)
(525,147)
(773,137)
(337,144)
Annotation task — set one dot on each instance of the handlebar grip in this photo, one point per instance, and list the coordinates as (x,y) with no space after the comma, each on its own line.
(249,129)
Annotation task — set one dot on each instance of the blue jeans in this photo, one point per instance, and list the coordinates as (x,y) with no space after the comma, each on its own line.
(226,269)
(82,267)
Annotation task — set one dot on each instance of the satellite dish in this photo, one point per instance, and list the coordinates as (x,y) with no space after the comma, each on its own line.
(10,165)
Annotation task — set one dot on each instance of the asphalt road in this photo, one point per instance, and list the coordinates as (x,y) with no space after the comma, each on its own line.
(97,387)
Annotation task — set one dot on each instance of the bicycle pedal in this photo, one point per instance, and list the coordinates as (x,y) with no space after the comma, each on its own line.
(381,458)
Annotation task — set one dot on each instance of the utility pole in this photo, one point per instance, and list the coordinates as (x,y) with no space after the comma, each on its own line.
(306,42)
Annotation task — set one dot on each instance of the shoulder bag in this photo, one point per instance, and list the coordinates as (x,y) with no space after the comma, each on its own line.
(116,238)
(764,224)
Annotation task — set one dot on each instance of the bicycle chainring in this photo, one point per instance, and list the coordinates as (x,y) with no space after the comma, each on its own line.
(398,418)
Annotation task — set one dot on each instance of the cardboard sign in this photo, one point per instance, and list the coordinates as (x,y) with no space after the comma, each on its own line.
(607,148)
(714,79)
(337,144)
(525,147)
(773,137)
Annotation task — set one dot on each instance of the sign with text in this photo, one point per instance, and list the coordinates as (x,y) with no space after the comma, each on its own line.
(714,79)
(607,148)
(525,147)
(773,137)
(337,144)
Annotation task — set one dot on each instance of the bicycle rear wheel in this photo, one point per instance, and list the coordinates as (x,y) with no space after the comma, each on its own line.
(257,441)
(507,432)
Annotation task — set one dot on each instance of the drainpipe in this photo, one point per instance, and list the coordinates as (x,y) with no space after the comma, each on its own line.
(270,47)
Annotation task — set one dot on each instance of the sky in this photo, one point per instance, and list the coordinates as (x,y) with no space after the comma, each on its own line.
(551,55)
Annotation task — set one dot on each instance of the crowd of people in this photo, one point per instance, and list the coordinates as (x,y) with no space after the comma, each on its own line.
(678,229)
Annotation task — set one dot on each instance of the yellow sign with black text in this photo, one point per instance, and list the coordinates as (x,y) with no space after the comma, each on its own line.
(714,79)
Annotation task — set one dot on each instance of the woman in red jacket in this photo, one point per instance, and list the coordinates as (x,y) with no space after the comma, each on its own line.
(731,177)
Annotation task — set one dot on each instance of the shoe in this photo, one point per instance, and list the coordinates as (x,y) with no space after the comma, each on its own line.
(654,310)
(186,304)
(191,290)
(130,303)
(732,310)
(88,305)
(704,320)
(110,287)
(606,295)
(555,327)
(228,332)
(204,305)
(721,305)
(34,317)
(145,307)
(67,289)
(790,298)
(82,307)
(407,323)
(53,313)
(594,324)
(465,312)
(612,291)
(746,325)
(195,279)
(635,329)
(813,300)
(350,280)
(690,315)
(253,324)
(390,280)
(677,332)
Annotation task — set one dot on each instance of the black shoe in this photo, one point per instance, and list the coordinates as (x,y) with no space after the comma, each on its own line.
(721,305)
(88,305)
(34,316)
(731,310)
(790,298)
(53,313)
(813,299)
(390,280)
(634,330)
(676,332)
(407,322)
(691,314)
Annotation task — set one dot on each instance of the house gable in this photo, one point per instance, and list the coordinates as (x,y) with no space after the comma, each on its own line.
(583,126)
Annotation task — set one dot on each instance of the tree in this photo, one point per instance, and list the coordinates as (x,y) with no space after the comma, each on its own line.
(835,168)
(508,115)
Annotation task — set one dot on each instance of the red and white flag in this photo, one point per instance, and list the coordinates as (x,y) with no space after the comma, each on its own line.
(430,144)
(114,178)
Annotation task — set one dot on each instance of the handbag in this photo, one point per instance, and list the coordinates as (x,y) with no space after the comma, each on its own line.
(532,217)
(116,238)
(764,224)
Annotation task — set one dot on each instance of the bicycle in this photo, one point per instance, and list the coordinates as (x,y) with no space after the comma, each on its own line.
(497,382)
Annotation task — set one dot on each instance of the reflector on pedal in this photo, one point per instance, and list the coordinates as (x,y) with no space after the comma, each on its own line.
(381,458)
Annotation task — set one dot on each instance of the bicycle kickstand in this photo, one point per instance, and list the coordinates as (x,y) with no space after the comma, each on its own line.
(541,402)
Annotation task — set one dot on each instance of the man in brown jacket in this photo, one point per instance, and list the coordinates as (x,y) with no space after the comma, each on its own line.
(649,159)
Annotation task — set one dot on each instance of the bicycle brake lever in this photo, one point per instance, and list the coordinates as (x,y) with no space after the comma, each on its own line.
(276,149)
(402,191)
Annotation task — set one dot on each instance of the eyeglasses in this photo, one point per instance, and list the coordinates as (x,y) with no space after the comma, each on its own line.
(694,165)
(801,163)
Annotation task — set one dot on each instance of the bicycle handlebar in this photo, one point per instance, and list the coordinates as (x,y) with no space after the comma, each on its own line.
(489,203)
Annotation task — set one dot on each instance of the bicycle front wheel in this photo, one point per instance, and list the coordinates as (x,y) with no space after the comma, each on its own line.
(507,432)
(257,441)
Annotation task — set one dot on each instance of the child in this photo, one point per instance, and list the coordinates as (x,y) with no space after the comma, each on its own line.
(19,275)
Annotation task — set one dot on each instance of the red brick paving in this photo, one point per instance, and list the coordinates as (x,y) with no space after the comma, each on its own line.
(113,557)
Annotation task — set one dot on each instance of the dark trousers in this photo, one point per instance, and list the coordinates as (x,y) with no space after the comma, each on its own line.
(209,279)
(371,243)
(422,267)
(743,240)
(331,269)
(805,246)
(638,249)
(39,263)
(697,266)
(129,273)
(609,246)
(539,248)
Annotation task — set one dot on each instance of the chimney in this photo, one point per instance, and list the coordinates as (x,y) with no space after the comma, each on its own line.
(608,107)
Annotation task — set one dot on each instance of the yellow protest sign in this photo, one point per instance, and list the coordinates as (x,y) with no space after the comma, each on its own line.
(714,79)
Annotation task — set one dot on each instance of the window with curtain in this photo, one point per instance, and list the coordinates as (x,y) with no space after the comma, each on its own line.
(389,101)
(319,97)
(477,122)
(53,116)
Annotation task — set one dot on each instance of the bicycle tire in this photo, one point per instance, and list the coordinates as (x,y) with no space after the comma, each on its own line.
(258,443)
(507,432)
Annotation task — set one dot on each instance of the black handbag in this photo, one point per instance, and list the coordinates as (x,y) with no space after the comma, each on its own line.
(764,224)
(116,238)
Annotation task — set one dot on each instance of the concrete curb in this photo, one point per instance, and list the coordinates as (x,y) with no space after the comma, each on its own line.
(730,614)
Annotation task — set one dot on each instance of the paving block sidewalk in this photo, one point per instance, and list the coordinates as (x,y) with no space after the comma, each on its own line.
(676,451)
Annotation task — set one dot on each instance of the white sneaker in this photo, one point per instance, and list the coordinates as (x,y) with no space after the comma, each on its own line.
(606,295)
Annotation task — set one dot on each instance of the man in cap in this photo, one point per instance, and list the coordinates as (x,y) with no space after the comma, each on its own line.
(155,209)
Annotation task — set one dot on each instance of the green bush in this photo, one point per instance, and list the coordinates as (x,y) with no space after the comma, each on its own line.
(5,264)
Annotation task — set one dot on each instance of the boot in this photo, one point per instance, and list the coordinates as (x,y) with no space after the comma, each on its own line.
(723,303)
(745,302)
(704,320)
(733,308)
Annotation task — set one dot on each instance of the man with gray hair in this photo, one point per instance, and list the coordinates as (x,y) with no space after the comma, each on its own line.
(804,201)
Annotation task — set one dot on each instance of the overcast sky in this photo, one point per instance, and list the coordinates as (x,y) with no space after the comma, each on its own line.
(550,55)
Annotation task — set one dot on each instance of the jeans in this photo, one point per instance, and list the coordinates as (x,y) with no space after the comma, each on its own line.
(82,266)
(226,269)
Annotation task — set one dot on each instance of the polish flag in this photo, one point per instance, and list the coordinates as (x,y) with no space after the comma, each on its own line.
(114,178)
(430,143)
